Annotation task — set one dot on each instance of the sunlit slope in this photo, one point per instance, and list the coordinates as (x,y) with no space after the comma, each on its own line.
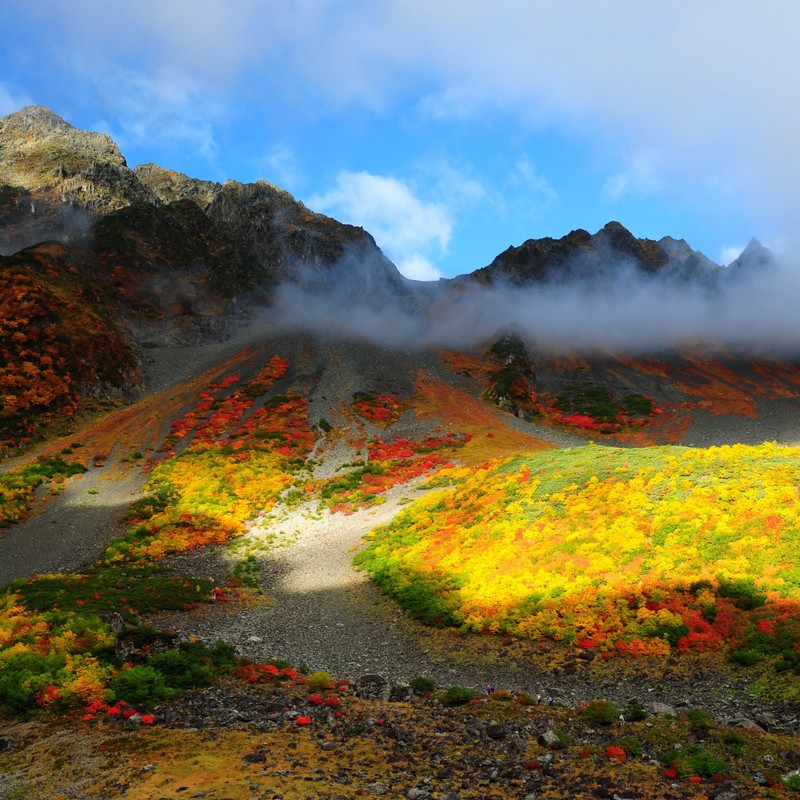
(633,550)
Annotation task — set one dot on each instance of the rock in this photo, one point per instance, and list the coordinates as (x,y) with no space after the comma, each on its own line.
(400,692)
(661,709)
(254,758)
(376,789)
(749,725)
(450,796)
(588,655)
(725,791)
(549,739)
(372,687)
(496,731)
(115,621)
(417,794)
(766,721)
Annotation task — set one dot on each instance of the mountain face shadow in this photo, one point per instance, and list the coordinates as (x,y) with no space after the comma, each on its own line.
(70,531)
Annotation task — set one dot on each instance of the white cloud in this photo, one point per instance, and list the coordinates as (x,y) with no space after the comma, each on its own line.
(164,108)
(639,177)
(527,175)
(730,253)
(408,229)
(12,99)
(418,268)
(282,166)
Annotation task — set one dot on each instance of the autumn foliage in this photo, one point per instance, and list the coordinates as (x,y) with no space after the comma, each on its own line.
(631,551)
(56,347)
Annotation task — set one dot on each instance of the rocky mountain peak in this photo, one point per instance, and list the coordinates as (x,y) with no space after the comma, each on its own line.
(590,257)
(36,118)
(41,152)
(754,258)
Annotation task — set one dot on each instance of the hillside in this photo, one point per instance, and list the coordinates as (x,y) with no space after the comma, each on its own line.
(211,398)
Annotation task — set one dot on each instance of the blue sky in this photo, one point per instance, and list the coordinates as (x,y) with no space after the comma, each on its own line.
(449,129)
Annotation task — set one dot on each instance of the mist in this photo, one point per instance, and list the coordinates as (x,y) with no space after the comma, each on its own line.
(749,311)
(29,221)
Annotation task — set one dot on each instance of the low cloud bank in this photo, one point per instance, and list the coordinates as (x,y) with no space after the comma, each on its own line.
(753,312)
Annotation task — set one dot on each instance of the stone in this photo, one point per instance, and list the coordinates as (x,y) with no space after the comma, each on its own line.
(661,709)
(496,731)
(376,789)
(418,794)
(254,758)
(749,725)
(372,687)
(725,791)
(549,739)
(400,693)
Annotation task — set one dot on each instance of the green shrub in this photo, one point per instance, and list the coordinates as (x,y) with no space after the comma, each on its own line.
(593,401)
(699,762)
(699,720)
(422,685)
(734,742)
(600,712)
(637,405)
(631,745)
(635,712)
(141,684)
(457,696)
(792,782)
(181,669)
(741,592)
(319,681)
(747,658)
(563,741)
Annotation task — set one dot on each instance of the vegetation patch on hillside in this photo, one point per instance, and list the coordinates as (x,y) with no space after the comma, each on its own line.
(17,487)
(623,551)
(58,345)
(388,464)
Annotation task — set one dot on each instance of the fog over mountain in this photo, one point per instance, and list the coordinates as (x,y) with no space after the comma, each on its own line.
(259,251)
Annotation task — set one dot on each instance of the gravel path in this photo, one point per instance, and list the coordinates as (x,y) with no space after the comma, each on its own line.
(70,530)
(325,615)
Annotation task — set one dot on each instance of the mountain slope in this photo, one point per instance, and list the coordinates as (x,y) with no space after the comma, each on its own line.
(274,236)
(581,256)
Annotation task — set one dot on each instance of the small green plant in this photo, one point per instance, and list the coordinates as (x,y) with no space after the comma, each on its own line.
(457,696)
(600,712)
(742,592)
(324,425)
(792,783)
(635,712)
(734,742)
(631,745)
(319,682)
(699,720)
(247,572)
(422,685)
(562,742)
(699,762)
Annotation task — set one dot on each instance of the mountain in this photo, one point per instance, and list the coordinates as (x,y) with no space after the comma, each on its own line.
(755,260)
(102,265)
(58,180)
(581,256)
(169,451)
